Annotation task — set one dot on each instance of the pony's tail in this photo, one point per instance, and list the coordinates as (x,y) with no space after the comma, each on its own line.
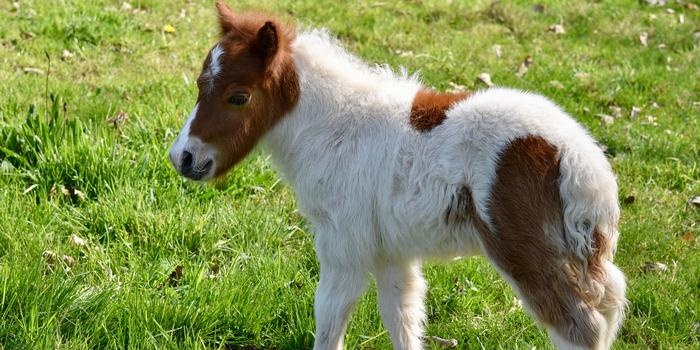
(591,214)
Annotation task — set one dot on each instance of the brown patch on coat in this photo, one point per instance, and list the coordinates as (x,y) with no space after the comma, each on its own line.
(256,61)
(429,108)
(527,242)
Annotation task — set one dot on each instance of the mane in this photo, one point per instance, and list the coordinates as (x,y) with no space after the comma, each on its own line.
(318,49)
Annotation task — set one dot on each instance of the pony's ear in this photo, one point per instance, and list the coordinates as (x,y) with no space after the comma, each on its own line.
(226,17)
(267,41)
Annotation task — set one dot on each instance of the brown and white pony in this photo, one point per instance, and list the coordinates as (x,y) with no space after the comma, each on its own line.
(389,173)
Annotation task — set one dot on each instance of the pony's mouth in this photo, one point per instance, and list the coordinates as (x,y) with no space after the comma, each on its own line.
(199,173)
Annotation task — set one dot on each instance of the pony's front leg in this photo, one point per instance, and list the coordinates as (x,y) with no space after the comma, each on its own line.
(401,291)
(336,296)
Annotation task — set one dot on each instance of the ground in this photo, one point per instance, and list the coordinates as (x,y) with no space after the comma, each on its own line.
(103,245)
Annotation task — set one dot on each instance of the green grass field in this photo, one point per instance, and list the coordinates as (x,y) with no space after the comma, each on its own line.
(170,264)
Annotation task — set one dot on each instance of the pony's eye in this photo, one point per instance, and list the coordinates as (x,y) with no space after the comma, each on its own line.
(239,99)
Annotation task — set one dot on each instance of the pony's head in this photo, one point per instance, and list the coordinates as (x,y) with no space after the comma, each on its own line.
(247,84)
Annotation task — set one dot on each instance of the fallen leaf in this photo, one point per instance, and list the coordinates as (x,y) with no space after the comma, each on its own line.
(695,201)
(670,11)
(485,78)
(33,70)
(688,236)
(118,119)
(448,343)
(556,29)
(516,304)
(168,29)
(583,76)
(67,191)
(68,260)
(295,283)
(661,46)
(403,53)
(606,119)
(616,111)
(148,27)
(651,120)
(690,6)
(650,266)
(454,87)
(49,257)
(72,192)
(497,49)
(77,241)
(524,67)
(643,38)
(634,112)
(556,84)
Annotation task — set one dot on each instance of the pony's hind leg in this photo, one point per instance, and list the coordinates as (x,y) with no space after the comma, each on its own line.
(580,303)
(401,290)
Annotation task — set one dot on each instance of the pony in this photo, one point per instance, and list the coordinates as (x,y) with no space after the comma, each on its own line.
(390,173)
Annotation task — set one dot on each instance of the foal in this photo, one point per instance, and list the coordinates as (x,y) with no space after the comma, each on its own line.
(389,172)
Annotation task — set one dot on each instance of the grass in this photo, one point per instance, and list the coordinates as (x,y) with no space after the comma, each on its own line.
(170,264)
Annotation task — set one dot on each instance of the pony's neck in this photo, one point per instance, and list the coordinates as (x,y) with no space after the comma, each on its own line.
(338,92)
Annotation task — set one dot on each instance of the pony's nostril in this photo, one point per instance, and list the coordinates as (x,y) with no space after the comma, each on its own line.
(186,165)
(207,166)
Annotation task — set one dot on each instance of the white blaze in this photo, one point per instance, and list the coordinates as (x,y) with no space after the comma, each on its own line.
(214,65)
(183,140)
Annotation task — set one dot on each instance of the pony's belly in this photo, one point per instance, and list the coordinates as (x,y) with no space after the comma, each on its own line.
(433,241)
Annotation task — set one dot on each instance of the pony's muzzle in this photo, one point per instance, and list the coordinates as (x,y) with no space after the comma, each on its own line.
(192,170)
(192,164)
